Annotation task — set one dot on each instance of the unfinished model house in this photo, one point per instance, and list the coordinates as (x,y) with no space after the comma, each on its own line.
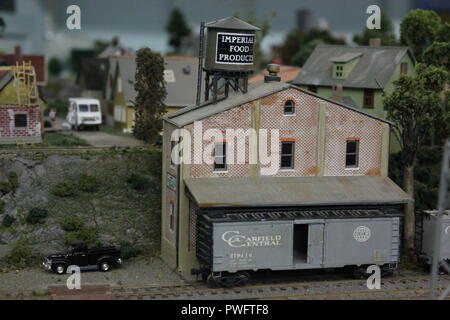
(20,105)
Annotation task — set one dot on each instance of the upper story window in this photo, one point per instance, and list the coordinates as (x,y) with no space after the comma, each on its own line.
(404,68)
(220,156)
(352,154)
(289,107)
(287,155)
(338,71)
(368,99)
(20,120)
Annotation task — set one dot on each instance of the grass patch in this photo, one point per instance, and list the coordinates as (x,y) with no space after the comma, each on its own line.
(56,139)
(117,132)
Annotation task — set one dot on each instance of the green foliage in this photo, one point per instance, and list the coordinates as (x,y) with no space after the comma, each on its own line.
(128,251)
(20,256)
(151,92)
(64,189)
(61,106)
(36,215)
(13,180)
(89,236)
(415,107)
(264,25)
(138,182)
(438,54)
(2,206)
(385,34)
(418,29)
(47,124)
(72,223)
(178,29)
(63,140)
(87,183)
(8,221)
(55,67)
(5,187)
(300,43)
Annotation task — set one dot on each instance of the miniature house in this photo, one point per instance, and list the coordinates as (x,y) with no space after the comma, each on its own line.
(331,155)
(20,105)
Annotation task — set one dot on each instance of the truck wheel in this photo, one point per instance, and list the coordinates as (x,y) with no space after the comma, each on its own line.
(104,266)
(60,269)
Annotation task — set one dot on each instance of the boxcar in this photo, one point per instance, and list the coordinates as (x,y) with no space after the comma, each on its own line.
(427,234)
(229,245)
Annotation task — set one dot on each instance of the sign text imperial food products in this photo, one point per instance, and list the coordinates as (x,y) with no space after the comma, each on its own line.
(234,48)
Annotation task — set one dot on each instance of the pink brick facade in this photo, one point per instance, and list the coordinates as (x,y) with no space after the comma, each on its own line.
(302,127)
(11,134)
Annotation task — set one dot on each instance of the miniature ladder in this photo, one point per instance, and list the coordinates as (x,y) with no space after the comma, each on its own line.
(25,82)
(443,203)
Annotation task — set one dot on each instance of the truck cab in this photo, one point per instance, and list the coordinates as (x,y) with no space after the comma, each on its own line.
(84,112)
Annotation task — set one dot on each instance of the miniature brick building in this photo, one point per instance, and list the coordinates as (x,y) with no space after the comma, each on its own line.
(331,156)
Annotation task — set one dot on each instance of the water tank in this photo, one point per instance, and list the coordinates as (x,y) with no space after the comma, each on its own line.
(229,45)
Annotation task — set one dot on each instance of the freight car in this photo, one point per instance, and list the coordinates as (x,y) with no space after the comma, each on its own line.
(427,234)
(232,244)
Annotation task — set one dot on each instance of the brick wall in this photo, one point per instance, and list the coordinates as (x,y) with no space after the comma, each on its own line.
(9,132)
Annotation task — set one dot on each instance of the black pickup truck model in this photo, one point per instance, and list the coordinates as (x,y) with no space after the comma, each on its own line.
(101,258)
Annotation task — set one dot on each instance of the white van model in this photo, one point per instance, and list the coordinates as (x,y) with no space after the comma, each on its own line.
(84,112)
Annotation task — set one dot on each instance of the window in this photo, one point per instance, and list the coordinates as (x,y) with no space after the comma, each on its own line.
(289,107)
(171,215)
(352,154)
(368,98)
(404,68)
(339,71)
(83,108)
(94,107)
(20,120)
(287,155)
(220,156)
(312,89)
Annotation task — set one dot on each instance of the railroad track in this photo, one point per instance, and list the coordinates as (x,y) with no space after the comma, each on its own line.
(392,288)
(59,149)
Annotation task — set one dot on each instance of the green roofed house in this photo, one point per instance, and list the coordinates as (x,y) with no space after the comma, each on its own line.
(358,76)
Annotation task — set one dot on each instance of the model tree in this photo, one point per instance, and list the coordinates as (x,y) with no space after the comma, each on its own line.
(415,107)
(54,67)
(151,92)
(178,30)
(419,29)
(385,34)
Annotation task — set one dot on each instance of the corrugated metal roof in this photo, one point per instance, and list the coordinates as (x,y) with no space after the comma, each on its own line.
(231,23)
(193,113)
(295,191)
(375,67)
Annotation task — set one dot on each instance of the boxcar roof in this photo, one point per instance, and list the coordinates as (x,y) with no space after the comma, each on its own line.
(295,191)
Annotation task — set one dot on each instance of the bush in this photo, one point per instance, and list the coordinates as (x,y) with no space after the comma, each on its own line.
(36,215)
(2,206)
(87,183)
(5,187)
(8,221)
(47,124)
(72,223)
(13,180)
(127,251)
(138,182)
(20,256)
(63,189)
(89,236)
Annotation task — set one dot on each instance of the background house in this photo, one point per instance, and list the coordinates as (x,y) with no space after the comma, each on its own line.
(21,108)
(357,75)
(36,60)
(180,75)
